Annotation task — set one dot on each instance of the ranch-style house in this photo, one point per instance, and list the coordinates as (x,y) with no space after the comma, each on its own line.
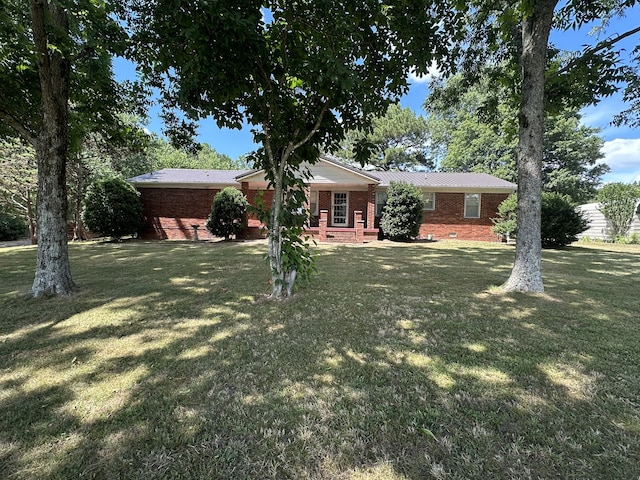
(346,202)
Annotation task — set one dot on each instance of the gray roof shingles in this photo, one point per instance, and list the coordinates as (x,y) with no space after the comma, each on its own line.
(184,175)
(181,176)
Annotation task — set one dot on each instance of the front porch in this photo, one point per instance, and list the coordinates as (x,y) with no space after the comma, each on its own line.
(357,234)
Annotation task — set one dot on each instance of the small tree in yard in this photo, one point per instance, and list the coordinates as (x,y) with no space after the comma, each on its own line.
(560,223)
(618,204)
(112,208)
(402,213)
(228,213)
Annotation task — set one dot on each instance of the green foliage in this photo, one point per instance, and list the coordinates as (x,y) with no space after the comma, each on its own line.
(618,202)
(478,135)
(399,140)
(228,213)
(112,207)
(11,227)
(506,223)
(302,73)
(402,214)
(561,223)
(162,154)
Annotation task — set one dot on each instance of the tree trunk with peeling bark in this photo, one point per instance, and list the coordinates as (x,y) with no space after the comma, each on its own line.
(526,275)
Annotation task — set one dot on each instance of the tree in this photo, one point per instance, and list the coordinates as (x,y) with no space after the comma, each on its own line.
(228,213)
(300,72)
(400,141)
(618,203)
(561,221)
(112,207)
(18,183)
(57,54)
(163,154)
(402,213)
(476,141)
(523,61)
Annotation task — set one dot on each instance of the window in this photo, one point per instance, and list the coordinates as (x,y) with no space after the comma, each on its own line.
(340,208)
(429,199)
(313,202)
(381,199)
(472,205)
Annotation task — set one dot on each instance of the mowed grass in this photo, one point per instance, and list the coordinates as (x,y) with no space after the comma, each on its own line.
(397,362)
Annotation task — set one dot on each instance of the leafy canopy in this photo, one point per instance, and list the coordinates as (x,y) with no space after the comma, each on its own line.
(301,73)
(399,140)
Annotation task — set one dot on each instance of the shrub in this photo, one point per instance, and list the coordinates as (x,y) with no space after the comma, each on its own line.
(561,222)
(402,214)
(506,223)
(112,208)
(618,204)
(228,213)
(11,227)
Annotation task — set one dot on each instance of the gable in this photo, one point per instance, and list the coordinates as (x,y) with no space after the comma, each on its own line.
(324,172)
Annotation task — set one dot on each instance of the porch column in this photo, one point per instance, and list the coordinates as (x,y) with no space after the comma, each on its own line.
(322,224)
(371,206)
(358,224)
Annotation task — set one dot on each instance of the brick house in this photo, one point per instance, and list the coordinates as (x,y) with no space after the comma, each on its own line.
(346,202)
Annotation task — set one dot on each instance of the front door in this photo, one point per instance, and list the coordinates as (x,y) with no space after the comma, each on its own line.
(340,208)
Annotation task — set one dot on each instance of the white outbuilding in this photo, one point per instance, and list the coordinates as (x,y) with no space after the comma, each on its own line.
(598,224)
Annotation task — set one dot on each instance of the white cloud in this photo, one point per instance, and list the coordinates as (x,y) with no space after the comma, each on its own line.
(432,72)
(623,156)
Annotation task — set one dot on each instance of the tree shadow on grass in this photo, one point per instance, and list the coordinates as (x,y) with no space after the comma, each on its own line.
(401,366)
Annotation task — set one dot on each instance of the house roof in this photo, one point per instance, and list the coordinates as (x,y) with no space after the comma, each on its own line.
(444,179)
(179,177)
(174,176)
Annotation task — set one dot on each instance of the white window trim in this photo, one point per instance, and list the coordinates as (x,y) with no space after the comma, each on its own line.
(433,203)
(333,204)
(314,195)
(479,205)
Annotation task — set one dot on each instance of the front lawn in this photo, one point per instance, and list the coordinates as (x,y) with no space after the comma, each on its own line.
(398,362)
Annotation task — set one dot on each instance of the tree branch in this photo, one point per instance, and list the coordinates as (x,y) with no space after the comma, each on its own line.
(590,51)
(315,128)
(18,127)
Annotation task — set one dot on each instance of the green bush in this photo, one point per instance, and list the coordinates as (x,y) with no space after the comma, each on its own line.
(560,225)
(402,214)
(11,227)
(112,208)
(561,221)
(506,223)
(228,213)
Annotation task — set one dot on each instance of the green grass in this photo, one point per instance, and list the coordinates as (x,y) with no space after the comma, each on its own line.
(398,362)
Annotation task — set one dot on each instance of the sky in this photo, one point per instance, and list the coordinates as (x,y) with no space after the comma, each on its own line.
(622,144)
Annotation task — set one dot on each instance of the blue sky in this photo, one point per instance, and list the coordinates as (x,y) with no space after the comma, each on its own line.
(622,144)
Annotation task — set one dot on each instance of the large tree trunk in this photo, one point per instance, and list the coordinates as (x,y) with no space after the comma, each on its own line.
(53,275)
(526,275)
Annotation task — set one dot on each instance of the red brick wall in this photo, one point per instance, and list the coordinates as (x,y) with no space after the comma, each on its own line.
(170,212)
(448,221)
